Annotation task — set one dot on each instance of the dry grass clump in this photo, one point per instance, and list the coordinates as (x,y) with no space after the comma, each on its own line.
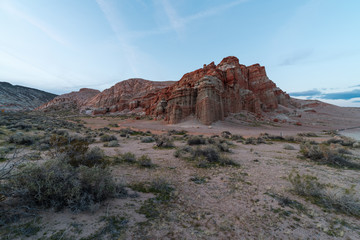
(113,143)
(204,156)
(76,152)
(254,141)
(289,147)
(108,138)
(56,184)
(145,161)
(340,200)
(147,139)
(163,191)
(330,155)
(22,139)
(344,141)
(164,142)
(196,140)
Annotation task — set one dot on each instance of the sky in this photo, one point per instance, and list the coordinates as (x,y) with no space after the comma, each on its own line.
(310,48)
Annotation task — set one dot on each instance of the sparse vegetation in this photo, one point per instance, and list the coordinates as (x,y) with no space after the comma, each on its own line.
(145,161)
(196,140)
(164,142)
(107,138)
(344,201)
(332,156)
(58,184)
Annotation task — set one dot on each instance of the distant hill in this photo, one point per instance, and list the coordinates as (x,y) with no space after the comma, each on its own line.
(19,98)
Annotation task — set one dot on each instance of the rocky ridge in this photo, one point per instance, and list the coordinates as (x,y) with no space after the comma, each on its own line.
(69,101)
(210,93)
(19,98)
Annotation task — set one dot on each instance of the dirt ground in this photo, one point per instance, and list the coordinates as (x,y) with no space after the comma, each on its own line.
(230,202)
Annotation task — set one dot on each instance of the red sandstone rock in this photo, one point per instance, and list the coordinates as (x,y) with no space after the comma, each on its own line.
(210,93)
(71,100)
(214,91)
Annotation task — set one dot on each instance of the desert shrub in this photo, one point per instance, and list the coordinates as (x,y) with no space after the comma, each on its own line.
(211,155)
(164,142)
(196,140)
(326,155)
(289,147)
(308,134)
(237,137)
(184,152)
(226,161)
(22,139)
(22,126)
(128,157)
(162,188)
(177,132)
(314,152)
(344,141)
(93,157)
(223,147)
(163,191)
(340,200)
(145,161)
(356,145)
(147,139)
(113,143)
(57,184)
(226,134)
(254,141)
(107,138)
(306,185)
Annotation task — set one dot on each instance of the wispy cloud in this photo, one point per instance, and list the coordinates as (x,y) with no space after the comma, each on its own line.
(313,92)
(296,57)
(213,11)
(346,95)
(18,11)
(118,27)
(178,23)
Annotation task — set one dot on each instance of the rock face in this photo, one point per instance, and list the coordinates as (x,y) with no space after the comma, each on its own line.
(210,94)
(133,95)
(19,98)
(70,101)
(215,91)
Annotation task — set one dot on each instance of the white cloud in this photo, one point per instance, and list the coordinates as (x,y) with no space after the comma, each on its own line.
(118,27)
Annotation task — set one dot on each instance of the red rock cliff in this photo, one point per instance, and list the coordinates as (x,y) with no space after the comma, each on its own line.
(214,91)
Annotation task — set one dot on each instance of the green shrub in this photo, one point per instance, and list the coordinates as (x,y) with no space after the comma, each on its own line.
(145,161)
(147,139)
(184,152)
(128,157)
(164,142)
(196,140)
(107,138)
(326,155)
(57,184)
(340,200)
(22,139)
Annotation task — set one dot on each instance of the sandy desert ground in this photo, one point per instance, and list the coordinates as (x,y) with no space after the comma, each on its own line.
(253,197)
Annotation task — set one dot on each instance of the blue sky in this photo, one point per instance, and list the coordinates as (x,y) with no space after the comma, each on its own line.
(310,48)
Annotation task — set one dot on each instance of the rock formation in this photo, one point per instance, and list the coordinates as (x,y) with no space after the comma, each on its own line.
(210,94)
(215,91)
(132,95)
(19,98)
(70,101)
